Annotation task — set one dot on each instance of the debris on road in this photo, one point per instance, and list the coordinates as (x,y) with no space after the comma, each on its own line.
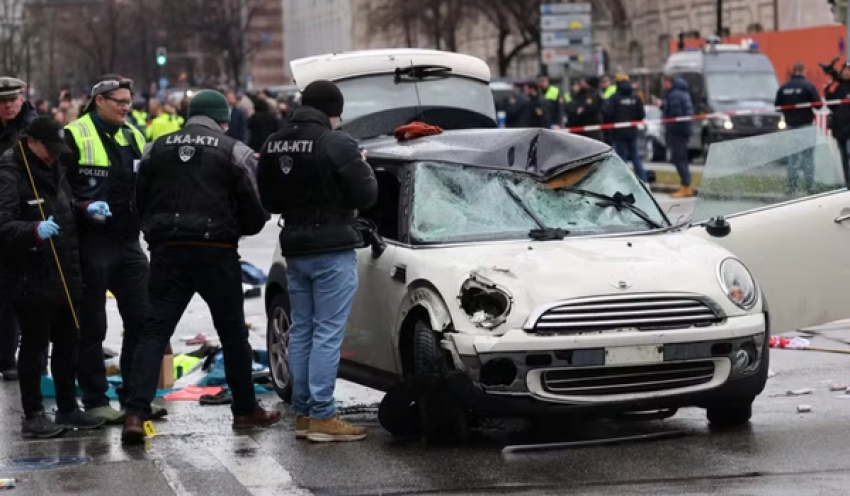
(7,484)
(595,442)
(795,343)
(839,387)
(795,392)
(770,373)
(804,408)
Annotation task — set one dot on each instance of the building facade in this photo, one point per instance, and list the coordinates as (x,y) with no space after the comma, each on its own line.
(268,62)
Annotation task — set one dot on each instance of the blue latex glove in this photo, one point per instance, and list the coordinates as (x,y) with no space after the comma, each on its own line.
(47,229)
(99,210)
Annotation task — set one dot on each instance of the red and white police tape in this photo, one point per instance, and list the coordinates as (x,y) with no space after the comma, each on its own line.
(821,117)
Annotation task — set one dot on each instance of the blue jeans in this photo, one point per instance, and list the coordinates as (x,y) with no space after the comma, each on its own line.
(678,145)
(627,149)
(321,292)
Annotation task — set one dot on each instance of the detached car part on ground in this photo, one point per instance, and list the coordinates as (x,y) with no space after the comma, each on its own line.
(529,273)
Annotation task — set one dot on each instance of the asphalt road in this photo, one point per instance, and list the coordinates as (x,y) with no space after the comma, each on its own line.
(783,452)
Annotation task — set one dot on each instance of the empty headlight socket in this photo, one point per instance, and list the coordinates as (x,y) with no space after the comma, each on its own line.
(479,294)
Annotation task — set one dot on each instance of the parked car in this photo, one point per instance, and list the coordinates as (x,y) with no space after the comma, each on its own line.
(539,276)
(653,143)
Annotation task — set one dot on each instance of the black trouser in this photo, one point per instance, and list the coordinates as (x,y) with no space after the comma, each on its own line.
(120,266)
(679,156)
(41,323)
(843,143)
(177,273)
(9,336)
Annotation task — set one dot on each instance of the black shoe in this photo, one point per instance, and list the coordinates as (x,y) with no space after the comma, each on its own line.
(10,374)
(40,427)
(78,419)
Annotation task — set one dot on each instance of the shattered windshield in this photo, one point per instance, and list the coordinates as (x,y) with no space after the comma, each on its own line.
(750,173)
(454,203)
(373,94)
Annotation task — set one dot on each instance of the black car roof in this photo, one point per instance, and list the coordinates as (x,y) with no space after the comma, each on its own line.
(543,151)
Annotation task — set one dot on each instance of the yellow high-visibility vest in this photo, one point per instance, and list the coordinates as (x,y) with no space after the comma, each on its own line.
(92,151)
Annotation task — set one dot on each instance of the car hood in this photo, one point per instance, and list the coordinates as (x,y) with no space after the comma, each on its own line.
(539,273)
(737,105)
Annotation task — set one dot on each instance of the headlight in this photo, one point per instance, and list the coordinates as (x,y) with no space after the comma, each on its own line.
(738,283)
(485,303)
(723,121)
(782,124)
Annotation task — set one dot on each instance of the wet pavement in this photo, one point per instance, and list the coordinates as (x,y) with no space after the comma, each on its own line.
(195,451)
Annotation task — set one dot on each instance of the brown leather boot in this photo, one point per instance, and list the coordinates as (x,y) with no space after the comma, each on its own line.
(134,431)
(260,418)
(683,192)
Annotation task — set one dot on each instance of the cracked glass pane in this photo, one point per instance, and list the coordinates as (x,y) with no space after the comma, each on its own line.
(750,173)
(455,203)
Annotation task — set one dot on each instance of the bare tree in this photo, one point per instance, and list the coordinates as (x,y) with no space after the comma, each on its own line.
(14,37)
(224,26)
(441,21)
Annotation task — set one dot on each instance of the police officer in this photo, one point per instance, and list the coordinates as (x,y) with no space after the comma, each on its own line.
(796,91)
(552,95)
(196,197)
(15,114)
(625,106)
(37,217)
(537,111)
(139,117)
(105,151)
(317,179)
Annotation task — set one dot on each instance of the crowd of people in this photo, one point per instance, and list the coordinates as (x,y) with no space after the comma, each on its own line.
(599,100)
(74,200)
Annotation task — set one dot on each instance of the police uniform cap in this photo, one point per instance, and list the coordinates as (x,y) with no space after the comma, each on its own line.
(11,88)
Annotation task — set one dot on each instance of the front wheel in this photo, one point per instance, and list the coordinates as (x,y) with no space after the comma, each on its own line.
(277,342)
(731,414)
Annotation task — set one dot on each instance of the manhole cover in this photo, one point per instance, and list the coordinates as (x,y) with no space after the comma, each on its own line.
(39,463)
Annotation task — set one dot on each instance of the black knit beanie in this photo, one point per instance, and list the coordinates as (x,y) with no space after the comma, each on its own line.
(325,96)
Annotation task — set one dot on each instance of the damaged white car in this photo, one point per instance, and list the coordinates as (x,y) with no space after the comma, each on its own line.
(537,274)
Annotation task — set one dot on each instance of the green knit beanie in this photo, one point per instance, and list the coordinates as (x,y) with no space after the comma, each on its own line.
(210,104)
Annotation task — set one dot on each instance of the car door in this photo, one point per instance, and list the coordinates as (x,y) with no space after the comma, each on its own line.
(796,244)
(368,337)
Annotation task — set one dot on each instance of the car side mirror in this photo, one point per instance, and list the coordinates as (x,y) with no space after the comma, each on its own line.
(718,227)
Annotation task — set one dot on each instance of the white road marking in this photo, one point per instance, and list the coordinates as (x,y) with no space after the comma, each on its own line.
(260,474)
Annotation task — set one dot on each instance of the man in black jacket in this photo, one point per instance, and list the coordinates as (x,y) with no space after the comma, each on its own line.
(586,108)
(840,122)
(796,91)
(36,217)
(196,197)
(238,128)
(625,106)
(15,114)
(318,180)
(101,168)
(536,111)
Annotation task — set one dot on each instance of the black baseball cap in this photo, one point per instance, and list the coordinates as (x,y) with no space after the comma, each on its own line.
(50,133)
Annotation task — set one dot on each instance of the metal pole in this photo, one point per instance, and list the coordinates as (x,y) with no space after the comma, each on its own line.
(720,18)
(847,35)
(243,42)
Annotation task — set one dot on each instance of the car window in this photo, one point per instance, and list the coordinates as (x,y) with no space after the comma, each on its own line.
(766,170)
(735,86)
(372,94)
(453,203)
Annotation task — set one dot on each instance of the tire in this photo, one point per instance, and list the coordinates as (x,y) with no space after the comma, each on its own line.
(731,414)
(442,418)
(277,343)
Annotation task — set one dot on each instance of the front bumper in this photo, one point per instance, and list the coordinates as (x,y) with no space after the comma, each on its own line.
(520,373)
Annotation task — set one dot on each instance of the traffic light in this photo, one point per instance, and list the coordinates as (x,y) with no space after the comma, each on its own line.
(161,56)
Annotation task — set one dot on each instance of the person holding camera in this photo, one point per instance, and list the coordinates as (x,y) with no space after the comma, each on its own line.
(318,179)
(840,121)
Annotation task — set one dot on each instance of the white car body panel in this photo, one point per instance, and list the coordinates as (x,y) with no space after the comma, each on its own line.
(336,66)
(799,256)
